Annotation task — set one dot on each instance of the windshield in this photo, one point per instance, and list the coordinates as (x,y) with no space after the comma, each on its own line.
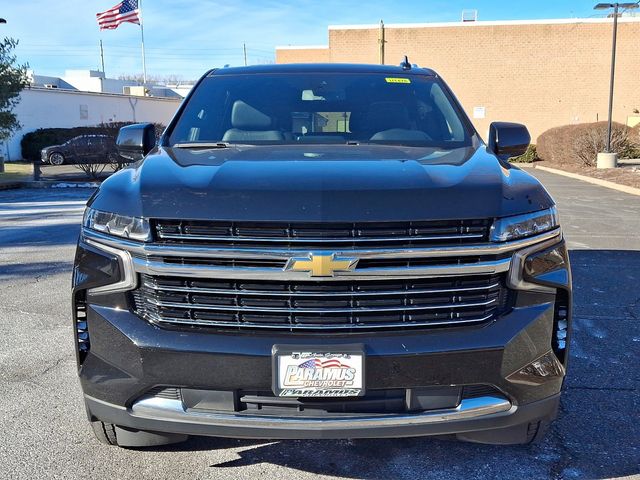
(321,108)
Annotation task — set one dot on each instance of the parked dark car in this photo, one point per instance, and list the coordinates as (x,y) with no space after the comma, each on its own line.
(81,149)
(321,251)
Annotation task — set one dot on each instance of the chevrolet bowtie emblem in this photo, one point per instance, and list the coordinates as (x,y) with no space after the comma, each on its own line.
(321,265)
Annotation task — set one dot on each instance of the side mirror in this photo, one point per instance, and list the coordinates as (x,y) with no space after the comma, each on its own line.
(135,141)
(508,140)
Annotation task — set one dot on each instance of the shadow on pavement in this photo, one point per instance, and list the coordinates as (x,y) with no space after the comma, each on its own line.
(34,270)
(47,235)
(595,435)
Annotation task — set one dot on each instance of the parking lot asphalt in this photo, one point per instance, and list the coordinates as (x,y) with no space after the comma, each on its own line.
(44,432)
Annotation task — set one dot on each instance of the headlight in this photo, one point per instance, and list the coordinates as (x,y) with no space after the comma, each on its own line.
(118,225)
(520,226)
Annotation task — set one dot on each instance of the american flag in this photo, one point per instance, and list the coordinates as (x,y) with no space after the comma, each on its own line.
(125,11)
(317,363)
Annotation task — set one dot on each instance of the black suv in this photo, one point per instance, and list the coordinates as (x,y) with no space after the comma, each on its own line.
(81,149)
(321,251)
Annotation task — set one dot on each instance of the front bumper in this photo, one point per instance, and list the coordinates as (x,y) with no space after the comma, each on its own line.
(123,357)
(129,356)
(472,415)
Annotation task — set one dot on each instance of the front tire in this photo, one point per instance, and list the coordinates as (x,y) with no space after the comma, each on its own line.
(56,158)
(110,434)
(105,432)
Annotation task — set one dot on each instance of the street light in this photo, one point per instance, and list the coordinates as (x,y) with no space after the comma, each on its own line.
(616,7)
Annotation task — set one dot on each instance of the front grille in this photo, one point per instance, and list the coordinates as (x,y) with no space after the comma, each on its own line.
(320,305)
(334,236)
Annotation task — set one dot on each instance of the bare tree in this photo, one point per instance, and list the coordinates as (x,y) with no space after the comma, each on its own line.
(589,142)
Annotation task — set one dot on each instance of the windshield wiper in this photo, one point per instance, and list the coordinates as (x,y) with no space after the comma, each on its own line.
(202,145)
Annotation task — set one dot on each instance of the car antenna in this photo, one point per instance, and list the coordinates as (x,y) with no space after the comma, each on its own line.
(405,63)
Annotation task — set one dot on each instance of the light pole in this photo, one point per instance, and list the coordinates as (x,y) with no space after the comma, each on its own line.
(616,7)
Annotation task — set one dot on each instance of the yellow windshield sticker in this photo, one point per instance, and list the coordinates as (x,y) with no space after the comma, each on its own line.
(397,80)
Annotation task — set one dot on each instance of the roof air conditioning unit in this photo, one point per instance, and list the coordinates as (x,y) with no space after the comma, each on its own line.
(470,15)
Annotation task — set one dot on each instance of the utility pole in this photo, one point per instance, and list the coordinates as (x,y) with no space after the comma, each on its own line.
(381,43)
(102,58)
(244,50)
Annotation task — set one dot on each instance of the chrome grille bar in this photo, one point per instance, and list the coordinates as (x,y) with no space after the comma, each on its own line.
(316,326)
(383,273)
(324,310)
(354,293)
(142,250)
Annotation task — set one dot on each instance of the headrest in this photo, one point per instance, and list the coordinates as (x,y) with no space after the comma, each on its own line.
(245,117)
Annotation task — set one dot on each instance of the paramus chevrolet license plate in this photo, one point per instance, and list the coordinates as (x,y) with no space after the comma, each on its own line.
(318,372)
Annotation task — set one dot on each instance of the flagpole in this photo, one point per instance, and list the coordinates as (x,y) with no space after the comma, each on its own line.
(144,63)
(102,58)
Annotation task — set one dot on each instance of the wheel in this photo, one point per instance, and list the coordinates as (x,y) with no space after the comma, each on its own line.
(105,432)
(56,158)
(111,434)
(537,431)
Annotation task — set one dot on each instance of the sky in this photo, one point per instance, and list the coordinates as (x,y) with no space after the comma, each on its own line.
(185,38)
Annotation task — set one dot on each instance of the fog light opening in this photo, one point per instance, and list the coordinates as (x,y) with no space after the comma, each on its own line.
(541,370)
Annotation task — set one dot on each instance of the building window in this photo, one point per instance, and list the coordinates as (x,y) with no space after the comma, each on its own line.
(84,112)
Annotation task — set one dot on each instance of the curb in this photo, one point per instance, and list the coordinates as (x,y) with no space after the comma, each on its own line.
(10,186)
(46,184)
(584,178)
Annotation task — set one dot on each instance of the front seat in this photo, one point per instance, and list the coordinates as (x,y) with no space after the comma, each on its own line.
(250,125)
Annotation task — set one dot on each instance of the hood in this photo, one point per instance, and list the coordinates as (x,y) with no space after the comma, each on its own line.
(315,183)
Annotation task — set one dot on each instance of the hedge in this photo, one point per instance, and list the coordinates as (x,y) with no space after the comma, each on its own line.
(33,142)
(530,156)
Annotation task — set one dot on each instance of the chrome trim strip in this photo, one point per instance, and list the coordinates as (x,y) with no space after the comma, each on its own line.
(310,240)
(297,293)
(257,273)
(397,308)
(145,249)
(129,280)
(313,326)
(173,410)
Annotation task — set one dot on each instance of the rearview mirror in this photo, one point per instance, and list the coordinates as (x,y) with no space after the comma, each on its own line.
(135,141)
(508,140)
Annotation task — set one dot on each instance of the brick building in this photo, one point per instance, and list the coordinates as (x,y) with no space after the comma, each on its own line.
(543,73)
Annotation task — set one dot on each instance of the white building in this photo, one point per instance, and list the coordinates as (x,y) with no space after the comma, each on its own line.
(42,107)
(96,81)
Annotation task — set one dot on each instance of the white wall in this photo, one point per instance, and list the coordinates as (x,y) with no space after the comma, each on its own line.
(46,108)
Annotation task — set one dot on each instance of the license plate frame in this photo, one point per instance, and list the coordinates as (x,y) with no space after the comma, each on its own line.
(342,371)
